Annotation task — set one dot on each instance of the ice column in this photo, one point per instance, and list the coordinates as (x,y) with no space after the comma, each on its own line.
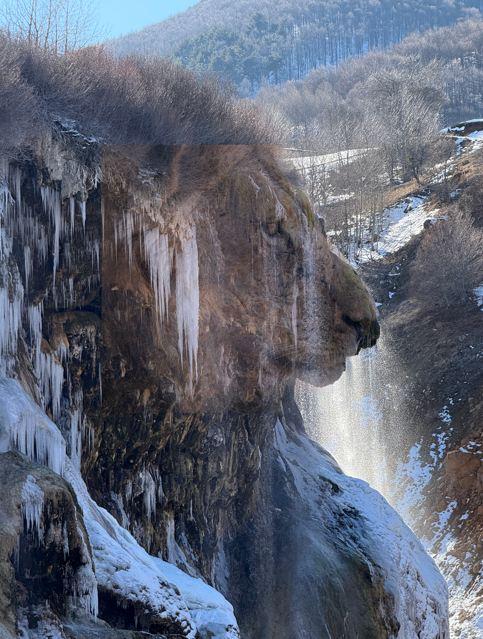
(188,300)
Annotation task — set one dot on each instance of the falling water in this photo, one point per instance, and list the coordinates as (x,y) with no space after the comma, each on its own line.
(346,419)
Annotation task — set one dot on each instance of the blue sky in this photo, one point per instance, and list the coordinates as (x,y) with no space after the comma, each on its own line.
(117,17)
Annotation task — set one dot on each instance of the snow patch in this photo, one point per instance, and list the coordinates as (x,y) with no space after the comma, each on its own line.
(401,223)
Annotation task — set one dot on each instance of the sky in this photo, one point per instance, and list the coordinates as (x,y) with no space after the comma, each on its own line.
(117,17)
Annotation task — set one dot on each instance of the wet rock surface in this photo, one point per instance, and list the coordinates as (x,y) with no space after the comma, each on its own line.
(177,307)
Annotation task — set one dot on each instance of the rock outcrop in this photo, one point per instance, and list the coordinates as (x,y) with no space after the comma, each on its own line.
(159,304)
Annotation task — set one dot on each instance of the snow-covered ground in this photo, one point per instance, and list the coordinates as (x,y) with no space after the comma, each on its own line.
(465,603)
(328,161)
(400,224)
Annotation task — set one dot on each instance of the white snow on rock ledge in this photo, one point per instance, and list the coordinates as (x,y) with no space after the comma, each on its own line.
(125,568)
(411,576)
(121,565)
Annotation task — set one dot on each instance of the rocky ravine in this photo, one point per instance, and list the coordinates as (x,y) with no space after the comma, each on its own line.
(433,408)
(407,415)
(157,306)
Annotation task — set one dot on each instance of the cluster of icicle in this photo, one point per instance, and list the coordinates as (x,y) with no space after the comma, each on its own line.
(48,238)
(11,289)
(161,256)
(56,242)
(33,506)
(22,426)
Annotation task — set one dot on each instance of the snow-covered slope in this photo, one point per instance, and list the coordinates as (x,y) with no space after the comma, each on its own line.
(121,565)
(401,223)
(411,576)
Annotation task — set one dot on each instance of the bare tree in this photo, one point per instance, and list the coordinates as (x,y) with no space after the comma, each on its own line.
(449,262)
(403,110)
(57,25)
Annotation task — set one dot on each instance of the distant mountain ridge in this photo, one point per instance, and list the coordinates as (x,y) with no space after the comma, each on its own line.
(256,42)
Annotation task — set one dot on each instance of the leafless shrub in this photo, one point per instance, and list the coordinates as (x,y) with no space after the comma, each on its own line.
(449,262)
(442,158)
(19,116)
(129,101)
(471,199)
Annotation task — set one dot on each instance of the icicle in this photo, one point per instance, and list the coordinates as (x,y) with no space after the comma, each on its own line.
(294,314)
(84,587)
(35,329)
(160,262)
(129,230)
(76,430)
(83,212)
(62,351)
(149,493)
(32,507)
(10,316)
(51,375)
(100,383)
(27,265)
(17,181)
(95,255)
(53,206)
(67,255)
(65,540)
(188,301)
(72,214)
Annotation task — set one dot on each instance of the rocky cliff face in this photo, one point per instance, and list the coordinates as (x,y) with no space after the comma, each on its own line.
(158,304)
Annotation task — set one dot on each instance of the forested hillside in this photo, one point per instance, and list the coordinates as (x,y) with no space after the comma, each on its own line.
(254,42)
(396,99)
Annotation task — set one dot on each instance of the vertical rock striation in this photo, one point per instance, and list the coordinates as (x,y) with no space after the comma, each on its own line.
(159,304)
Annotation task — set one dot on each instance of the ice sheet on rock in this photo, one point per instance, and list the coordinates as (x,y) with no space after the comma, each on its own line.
(411,576)
(24,427)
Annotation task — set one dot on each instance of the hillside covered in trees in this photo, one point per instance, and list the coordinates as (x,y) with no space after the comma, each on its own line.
(251,43)
(390,98)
